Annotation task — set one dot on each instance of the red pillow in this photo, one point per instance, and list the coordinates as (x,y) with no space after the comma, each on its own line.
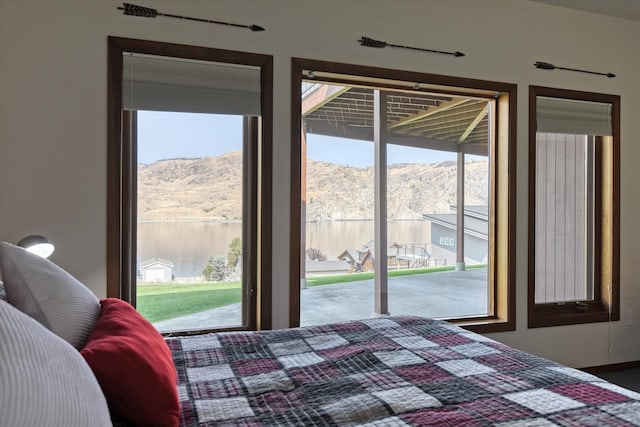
(134,366)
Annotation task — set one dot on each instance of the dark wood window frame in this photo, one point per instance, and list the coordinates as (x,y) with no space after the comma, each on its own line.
(121,176)
(503,182)
(605,305)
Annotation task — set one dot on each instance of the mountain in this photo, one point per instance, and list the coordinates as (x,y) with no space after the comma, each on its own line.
(208,188)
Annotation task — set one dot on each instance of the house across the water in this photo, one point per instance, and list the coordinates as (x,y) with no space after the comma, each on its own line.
(476,226)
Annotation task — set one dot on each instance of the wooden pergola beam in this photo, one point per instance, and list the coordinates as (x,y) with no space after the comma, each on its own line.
(481,115)
(431,111)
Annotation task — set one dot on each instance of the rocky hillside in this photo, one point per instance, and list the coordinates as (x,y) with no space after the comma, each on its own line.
(344,192)
(209,188)
(191,189)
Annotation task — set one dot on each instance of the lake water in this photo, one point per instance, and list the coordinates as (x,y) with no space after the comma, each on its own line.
(188,245)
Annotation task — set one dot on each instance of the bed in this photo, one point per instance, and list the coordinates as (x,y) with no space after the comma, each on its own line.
(69,359)
(395,371)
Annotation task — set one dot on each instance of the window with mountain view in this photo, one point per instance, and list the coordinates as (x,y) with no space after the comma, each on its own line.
(189,219)
(400,183)
(187,207)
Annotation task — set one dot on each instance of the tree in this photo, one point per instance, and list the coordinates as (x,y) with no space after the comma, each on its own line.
(316,254)
(235,250)
(214,270)
(208,268)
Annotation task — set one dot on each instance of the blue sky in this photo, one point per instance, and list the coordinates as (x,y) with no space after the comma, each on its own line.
(170,135)
(351,152)
(164,135)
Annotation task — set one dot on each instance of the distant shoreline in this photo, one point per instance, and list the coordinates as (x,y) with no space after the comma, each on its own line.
(239,221)
(216,221)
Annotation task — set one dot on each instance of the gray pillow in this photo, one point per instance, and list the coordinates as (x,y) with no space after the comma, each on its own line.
(3,294)
(44,291)
(45,381)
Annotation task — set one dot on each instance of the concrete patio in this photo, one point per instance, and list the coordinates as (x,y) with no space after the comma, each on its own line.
(448,293)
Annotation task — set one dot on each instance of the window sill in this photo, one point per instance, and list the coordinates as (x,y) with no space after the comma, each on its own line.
(548,319)
(486,325)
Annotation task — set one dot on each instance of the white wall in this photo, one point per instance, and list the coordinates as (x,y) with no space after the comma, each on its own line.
(53,99)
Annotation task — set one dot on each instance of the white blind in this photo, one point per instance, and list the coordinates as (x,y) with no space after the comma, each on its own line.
(563,197)
(157,83)
(555,115)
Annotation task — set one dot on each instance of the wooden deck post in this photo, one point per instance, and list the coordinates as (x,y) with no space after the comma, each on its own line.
(460,266)
(380,194)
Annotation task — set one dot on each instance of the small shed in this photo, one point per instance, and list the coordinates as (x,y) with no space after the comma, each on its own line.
(156,270)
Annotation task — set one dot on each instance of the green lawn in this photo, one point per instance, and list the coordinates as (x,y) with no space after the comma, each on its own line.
(165,301)
(353,277)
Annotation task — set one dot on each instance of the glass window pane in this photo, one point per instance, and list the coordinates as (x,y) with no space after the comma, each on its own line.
(189,220)
(422,230)
(337,209)
(428,139)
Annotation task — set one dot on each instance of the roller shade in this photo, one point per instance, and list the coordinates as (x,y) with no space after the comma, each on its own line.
(555,115)
(157,83)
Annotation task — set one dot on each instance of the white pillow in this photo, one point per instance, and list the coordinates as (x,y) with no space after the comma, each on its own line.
(44,291)
(45,381)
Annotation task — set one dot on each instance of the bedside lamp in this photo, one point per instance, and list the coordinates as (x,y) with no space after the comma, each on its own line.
(38,245)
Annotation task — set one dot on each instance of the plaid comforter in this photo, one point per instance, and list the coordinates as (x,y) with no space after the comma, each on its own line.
(397,371)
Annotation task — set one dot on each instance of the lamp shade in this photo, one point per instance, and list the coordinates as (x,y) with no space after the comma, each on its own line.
(38,245)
